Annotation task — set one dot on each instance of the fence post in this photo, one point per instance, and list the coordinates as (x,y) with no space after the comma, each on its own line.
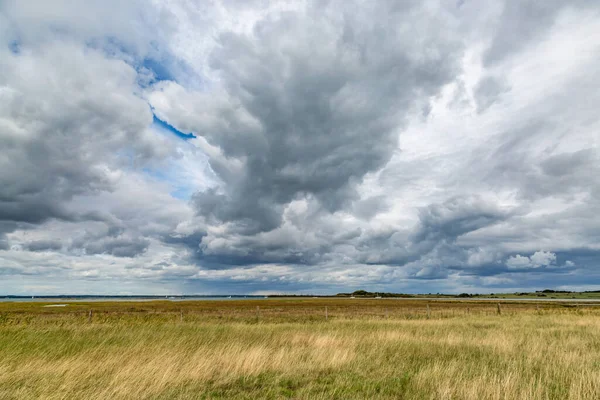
(326,316)
(428,312)
(257,313)
(386,314)
(180,315)
(90,316)
(499,310)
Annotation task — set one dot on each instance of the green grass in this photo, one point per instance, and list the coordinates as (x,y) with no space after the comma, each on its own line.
(366,349)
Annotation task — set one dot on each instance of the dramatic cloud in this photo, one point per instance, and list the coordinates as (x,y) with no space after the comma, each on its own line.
(311,102)
(422,146)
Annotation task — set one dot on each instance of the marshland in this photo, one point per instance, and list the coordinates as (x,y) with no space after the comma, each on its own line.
(300,348)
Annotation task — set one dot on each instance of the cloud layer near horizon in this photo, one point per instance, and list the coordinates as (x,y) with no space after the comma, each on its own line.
(239,147)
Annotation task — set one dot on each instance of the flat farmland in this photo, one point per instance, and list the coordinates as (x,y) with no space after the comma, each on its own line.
(300,348)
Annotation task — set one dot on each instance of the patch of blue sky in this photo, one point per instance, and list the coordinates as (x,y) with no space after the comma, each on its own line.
(166,67)
(159,174)
(186,173)
(165,126)
(159,70)
(183,177)
(167,174)
(183,193)
(154,64)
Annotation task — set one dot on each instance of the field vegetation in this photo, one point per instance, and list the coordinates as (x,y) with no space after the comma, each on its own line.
(301,349)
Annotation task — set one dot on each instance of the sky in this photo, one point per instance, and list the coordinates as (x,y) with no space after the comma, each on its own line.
(254,147)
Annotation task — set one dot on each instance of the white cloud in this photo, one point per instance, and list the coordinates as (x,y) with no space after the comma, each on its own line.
(536,260)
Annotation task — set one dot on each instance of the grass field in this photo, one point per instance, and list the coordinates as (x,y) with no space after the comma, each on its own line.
(287,349)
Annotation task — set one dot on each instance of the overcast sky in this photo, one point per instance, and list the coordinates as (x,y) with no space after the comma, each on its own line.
(217,147)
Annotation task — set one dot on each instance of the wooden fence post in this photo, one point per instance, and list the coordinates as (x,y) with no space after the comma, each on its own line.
(326,316)
(428,312)
(180,315)
(499,310)
(90,316)
(257,313)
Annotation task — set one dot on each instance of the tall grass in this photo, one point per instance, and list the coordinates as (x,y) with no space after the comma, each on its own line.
(293,352)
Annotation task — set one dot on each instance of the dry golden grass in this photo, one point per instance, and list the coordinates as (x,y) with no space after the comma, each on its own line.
(145,351)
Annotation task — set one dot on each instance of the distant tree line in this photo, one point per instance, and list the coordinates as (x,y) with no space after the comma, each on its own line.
(364,293)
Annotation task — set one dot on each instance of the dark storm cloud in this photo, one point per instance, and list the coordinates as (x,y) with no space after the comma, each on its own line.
(312,104)
(316,100)
(117,246)
(119,238)
(370,207)
(43,245)
(6,227)
(457,217)
(191,240)
(326,107)
(433,239)
(32,211)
